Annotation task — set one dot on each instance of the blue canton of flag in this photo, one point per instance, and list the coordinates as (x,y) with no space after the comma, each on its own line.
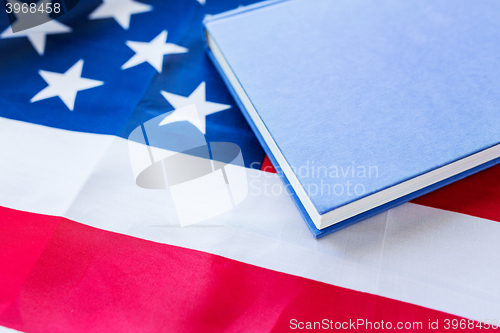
(107,67)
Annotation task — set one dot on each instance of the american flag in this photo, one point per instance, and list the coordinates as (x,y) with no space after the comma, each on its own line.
(84,249)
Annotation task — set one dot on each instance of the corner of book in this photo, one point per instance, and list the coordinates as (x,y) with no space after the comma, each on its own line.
(239,10)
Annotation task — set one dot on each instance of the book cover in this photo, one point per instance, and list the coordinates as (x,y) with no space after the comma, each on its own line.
(363,106)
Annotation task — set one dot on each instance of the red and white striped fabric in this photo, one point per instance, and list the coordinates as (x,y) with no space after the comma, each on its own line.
(83,249)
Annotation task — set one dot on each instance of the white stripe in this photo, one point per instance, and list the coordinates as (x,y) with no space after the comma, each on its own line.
(438,259)
(7,330)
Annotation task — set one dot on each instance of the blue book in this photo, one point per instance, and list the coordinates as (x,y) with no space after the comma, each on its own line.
(360,105)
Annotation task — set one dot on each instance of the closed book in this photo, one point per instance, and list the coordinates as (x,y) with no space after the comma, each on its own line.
(363,105)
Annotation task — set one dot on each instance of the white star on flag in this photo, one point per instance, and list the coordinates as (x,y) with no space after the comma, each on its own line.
(66,85)
(186,113)
(152,52)
(120,10)
(197,98)
(38,34)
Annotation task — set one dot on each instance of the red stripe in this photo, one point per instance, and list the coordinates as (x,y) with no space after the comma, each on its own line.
(477,195)
(267,165)
(62,276)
